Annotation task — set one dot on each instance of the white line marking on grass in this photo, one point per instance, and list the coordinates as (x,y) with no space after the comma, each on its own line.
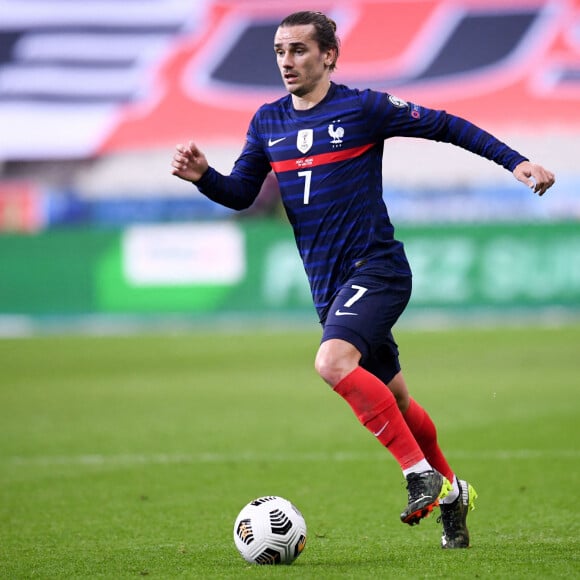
(257,457)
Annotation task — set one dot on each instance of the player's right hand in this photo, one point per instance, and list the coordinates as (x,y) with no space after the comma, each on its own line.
(189,162)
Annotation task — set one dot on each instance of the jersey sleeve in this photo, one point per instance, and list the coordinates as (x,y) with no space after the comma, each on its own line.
(239,189)
(465,134)
(399,118)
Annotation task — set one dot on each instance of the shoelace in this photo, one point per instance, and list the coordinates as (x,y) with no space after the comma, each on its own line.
(414,484)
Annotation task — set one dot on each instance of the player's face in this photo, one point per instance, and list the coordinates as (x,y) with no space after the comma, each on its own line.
(304,68)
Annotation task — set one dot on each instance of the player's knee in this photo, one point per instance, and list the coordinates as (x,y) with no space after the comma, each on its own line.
(402,401)
(398,387)
(331,369)
(335,359)
(324,369)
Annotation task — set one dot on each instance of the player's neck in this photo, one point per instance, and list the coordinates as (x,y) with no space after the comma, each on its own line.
(311,99)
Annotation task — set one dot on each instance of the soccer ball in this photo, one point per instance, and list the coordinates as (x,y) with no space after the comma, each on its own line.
(270,530)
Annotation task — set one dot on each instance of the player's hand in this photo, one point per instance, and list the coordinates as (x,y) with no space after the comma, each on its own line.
(189,162)
(538,179)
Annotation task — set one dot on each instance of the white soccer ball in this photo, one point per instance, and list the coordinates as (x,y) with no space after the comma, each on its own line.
(270,530)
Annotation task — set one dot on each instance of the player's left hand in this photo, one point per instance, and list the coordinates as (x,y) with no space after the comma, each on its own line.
(538,179)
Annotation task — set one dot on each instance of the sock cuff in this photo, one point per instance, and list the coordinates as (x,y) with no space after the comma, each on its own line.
(367,395)
(345,385)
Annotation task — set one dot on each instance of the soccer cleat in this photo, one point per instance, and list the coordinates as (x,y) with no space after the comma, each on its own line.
(454,516)
(424,491)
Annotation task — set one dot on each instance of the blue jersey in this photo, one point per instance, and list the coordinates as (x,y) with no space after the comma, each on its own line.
(328,163)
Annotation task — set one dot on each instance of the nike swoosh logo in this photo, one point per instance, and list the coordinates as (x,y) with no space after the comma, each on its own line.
(423,496)
(381,429)
(272,142)
(339,312)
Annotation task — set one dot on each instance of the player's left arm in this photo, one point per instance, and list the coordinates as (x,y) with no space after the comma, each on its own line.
(465,134)
(536,177)
(401,118)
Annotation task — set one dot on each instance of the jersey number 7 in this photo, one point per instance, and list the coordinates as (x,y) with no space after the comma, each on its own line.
(307,179)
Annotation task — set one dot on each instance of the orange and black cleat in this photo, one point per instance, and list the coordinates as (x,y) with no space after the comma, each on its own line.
(424,491)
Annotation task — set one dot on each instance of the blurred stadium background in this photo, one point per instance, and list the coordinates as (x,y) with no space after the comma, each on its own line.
(94,95)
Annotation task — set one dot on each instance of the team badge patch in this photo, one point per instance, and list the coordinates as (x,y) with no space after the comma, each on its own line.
(399,103)
(304,140)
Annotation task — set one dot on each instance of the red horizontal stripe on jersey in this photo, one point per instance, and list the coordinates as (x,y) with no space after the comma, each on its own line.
(321,159)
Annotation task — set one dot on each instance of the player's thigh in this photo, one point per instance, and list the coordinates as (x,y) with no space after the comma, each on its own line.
(383,361)
(365,310)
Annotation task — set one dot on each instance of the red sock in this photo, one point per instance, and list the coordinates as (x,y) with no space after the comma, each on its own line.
(376,408)
(425,434)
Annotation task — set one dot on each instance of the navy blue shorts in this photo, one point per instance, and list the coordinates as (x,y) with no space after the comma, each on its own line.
(363,313)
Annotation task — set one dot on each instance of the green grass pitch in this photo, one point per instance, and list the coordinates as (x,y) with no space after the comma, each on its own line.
(123,457)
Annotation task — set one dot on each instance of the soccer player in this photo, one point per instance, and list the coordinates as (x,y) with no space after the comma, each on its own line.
(325,143)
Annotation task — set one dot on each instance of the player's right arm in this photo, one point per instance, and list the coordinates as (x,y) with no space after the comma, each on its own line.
(237,190)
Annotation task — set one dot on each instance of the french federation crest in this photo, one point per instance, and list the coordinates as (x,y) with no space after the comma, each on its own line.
(304,140)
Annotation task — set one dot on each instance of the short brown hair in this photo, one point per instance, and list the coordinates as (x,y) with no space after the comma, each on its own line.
(325,30)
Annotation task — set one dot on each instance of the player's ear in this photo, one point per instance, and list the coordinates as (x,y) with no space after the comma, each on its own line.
(330,58)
